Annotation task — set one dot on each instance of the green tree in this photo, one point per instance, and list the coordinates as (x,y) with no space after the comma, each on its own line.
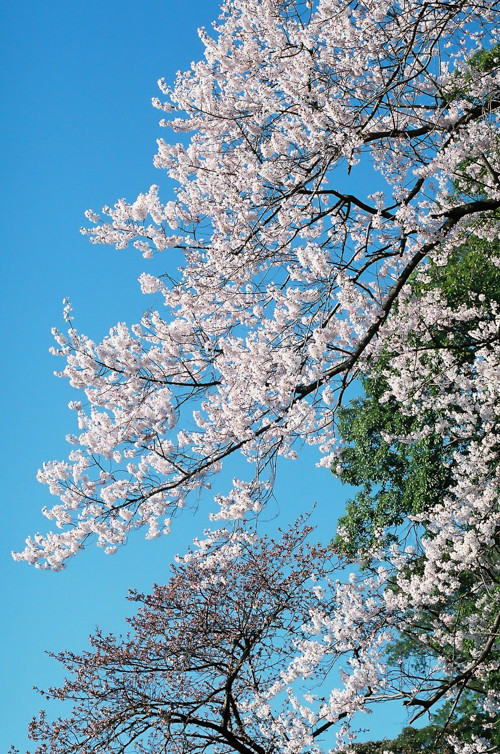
(430,738)
(398,478)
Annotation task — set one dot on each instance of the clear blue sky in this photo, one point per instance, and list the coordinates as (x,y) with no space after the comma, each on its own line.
(78,131)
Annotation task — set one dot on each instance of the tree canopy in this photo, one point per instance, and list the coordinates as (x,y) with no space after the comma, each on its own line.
(336,215)
(204,655)
(289,274)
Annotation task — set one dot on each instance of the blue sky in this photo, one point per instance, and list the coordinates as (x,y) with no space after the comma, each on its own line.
(79,132)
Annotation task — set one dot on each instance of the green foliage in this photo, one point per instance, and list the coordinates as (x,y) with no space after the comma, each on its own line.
(484,61)
(410,740)
(469,721)
(398,478)
(431,739)
(472,271)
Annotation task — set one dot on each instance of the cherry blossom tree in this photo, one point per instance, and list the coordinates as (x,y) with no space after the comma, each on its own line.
(290,271)
(294,278)
(197,669)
